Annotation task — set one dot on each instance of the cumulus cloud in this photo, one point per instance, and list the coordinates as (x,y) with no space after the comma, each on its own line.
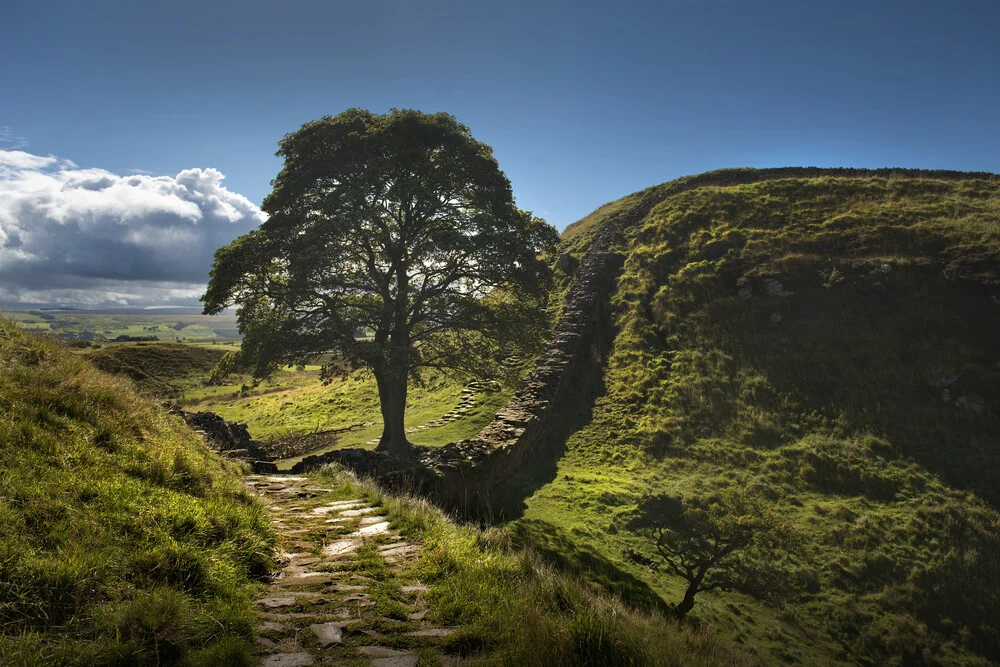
(89,236)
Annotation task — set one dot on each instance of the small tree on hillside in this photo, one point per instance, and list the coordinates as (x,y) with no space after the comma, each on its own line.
(726,542)
(401,226)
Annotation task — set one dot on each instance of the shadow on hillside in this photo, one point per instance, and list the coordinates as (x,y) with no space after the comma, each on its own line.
(569,555)
(915,362)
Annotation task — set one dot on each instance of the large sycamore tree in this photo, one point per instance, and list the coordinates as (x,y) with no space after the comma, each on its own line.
(394,242)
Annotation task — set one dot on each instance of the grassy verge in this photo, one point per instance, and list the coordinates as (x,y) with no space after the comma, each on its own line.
(513,609)
(123,539)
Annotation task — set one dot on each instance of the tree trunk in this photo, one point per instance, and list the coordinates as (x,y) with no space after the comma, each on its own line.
(383,402)
(687,604)
(392,397)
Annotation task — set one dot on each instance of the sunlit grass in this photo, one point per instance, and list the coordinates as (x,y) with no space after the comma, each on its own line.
(123,539)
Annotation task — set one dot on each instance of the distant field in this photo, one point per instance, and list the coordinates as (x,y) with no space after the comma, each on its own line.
(172,324)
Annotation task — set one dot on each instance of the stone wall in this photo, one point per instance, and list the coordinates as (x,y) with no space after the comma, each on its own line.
(230,439)
(463,475)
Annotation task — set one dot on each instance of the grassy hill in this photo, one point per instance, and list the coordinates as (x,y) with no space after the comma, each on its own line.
(123,539)
(162,369)
(826,341)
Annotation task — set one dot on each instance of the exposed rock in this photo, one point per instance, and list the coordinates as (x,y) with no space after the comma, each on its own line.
(275,603)
(329,633)
(566,263)
(287,660)
(381,652)
(229,438)
(400,661)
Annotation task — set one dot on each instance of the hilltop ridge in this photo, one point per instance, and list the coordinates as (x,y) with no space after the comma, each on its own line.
(822,338)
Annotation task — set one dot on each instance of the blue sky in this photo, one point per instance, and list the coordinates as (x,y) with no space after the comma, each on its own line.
(583,102)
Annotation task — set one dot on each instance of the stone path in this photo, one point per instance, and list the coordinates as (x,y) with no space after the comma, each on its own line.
(345,595)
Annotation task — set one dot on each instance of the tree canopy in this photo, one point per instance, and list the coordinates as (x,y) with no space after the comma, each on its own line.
(394,241)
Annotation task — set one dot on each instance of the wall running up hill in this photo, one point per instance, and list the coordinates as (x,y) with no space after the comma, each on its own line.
(463,475)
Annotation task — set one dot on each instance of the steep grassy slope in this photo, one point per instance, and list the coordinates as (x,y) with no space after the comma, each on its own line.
(829,343)
(123,539)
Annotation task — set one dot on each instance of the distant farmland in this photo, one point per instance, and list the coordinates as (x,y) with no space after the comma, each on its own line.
(99,325)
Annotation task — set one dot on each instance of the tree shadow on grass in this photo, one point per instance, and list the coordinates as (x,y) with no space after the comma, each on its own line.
(915,365)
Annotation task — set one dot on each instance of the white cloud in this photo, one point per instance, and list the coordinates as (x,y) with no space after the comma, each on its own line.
(74,235)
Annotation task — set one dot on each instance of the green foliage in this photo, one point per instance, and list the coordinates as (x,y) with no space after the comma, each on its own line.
(401,225)
(729,541)
(827,341)
(123,539)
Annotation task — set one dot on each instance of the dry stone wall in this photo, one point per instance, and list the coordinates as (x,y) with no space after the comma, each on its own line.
(463,475)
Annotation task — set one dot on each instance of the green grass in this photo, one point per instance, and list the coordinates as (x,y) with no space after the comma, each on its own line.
(297,402)
(74,324)
(859,398)
(123,539)
(163,369)
(513,608)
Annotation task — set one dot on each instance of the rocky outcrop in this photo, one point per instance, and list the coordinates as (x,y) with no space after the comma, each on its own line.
(230,439)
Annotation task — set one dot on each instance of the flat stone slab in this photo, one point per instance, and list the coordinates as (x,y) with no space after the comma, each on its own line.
(341,547)
(305,560)
(359,511)
(374,529)
(400,661)
(343,588)
(287,660)
(329,634)
(433,632)
(369,520)
(381,652)
(399,551)
(271,626)
(307,579)
(275,603)
(338,507)
(414,589)
(284,478)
